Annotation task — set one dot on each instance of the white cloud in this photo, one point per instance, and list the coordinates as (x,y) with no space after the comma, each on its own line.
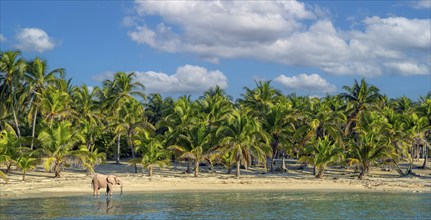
(312,83)
(34,39)
(187,79)
(288,32)
(421,4)
(2,38)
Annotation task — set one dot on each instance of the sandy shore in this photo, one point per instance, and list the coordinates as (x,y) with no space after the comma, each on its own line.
(76,182)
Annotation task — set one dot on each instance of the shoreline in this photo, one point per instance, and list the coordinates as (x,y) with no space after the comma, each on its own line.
(40,184)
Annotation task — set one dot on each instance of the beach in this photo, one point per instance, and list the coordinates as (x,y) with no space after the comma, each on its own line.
(40,183)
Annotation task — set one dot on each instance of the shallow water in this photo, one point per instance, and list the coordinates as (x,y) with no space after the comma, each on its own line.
(225,205)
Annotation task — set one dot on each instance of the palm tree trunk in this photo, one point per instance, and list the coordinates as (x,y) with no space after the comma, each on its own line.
(364,171)
(320,173)
(196,168)
(238,166)
(424,165)
(150,171)
(14,113)
(18,132)
(133,153)
(23,175)
(8,168)
(117,154)
(33,130)
(283,166)
(57,170)
(132,147)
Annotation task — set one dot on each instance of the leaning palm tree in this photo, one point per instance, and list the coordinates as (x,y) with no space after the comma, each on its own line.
(243,136)
(320,153)
(58,142)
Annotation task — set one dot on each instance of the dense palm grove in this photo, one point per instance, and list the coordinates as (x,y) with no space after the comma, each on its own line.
(46,120)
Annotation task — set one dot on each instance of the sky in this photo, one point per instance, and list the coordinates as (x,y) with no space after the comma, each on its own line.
(310,48)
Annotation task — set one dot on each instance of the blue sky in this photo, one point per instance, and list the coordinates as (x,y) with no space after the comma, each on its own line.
(178,47)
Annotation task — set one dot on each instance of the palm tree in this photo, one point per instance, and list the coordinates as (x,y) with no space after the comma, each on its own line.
(153,154)
(117,92)
(243,136)
(9,146)
(25,163)
(279,124)
(371,145)
(132,122)
(55,105)
(178,122)
(396,131)
(90,116)
(58,142)
(89,158)
(424,111)
(360,98)
(196,142)
(260,99)
(228,159)
(419,129)
(12,68)
(38,77)
(367,152)
(215,104)
(321,153)
(154,108)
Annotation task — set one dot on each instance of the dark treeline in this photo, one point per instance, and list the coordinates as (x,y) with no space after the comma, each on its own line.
(46,120)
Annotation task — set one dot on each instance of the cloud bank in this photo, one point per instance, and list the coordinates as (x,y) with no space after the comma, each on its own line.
(288,32)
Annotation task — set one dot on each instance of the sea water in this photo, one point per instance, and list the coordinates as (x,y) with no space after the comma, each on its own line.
(225,205)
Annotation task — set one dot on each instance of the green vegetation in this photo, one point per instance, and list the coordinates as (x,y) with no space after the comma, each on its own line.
(43,118)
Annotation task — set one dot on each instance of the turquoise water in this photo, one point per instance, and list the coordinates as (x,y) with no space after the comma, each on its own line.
(225,205)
